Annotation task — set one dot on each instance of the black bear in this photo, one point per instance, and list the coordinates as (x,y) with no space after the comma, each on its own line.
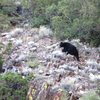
(69,49)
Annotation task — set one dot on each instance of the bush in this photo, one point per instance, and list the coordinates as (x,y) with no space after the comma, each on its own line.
(33,63)
(1,59)
(90,96)
(9,48)
(13,87)
(59,26)
(69,18)
(37,21)
(1,63)
(8,13)
(41,11)
(50,12)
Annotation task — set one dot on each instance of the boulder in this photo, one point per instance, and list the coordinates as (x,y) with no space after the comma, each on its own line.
(45,32)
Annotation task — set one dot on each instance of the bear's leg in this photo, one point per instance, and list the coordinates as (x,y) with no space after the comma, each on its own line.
(77,57)
(63,50)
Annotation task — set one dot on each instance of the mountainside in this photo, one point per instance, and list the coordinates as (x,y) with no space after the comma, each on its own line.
(57,76)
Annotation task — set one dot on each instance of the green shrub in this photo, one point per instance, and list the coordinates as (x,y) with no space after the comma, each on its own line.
(37,21)
(90,96)
(1,63)
(69,18)
(4,22)
(4,50)
(33,63)
(1,59)
(9,47)
(50,12)
(59,26)
(98,87)
(8,13)
(13,87)
(41,9)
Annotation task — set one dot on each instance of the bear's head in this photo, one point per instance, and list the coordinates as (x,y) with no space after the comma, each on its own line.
(62,44)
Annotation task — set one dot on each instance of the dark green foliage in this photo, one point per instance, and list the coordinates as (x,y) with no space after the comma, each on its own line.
(1,63)
(8,13)
(59,26)
(69,18)
(4,50)
(9,48)
(1,59)
(37,21)
(13,87)
(41,9)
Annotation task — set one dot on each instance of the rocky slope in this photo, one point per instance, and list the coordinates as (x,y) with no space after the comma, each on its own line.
(57,76)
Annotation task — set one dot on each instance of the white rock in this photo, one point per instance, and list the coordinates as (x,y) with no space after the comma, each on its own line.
(34,31)
(4,34)
(63,66)
(26,69)
(76,40)
(44,31)
(17,2)
(18,42)
(52,46)
(12,39)
(33,49)
(31,43)
(40,71)
(8,36)
(16,32)
(21,57)
(60,71)
(94,77)
(69,80)
(91,62)
(57,53)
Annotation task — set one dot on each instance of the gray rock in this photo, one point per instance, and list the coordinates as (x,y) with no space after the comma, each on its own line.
(44,32)
(32,44)
(69,68)
(21,57)
(58,54)
(56,45)
(26,71)
(33,49)
(4,34)
(60,71)
(15,32)
(94,77)
(18,42)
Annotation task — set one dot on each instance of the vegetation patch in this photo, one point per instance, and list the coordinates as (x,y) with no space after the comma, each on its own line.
(91,95)
(33,63)
(13,86)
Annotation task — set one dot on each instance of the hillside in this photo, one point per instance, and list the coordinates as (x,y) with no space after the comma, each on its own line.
(34,51)
(33,66)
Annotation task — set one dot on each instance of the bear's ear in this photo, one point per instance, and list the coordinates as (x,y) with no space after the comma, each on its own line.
(61,44)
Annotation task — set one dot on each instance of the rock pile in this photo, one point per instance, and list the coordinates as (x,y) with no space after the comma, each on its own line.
(57,75)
